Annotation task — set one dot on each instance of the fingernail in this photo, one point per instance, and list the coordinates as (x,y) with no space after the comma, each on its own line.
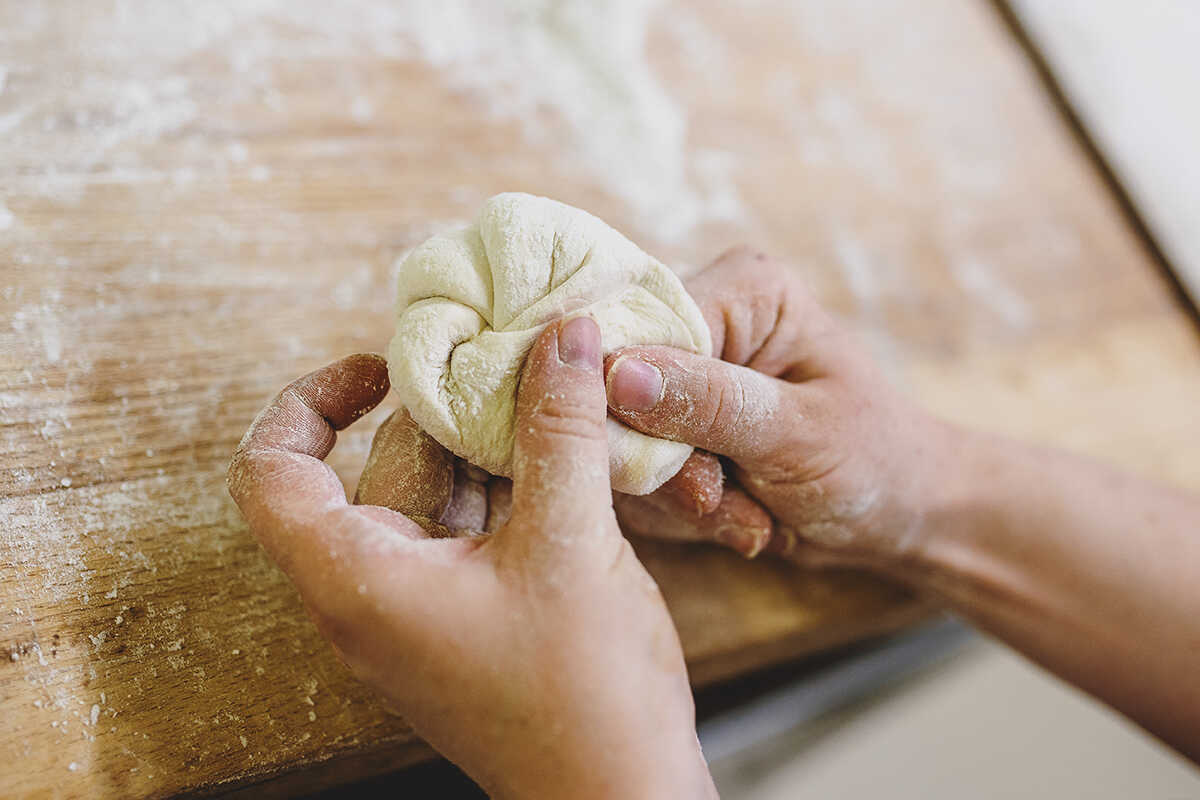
(634,385)
(579,343)
(758,543)
(747,541)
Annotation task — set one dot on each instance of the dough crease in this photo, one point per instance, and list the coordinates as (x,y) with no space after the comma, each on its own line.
(471,303)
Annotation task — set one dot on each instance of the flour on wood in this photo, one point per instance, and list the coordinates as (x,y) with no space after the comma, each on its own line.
(472,302)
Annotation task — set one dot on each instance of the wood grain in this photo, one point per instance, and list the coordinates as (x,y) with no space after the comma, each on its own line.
(200,205)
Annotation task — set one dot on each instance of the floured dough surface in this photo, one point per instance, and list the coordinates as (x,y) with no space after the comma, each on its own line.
(472,302)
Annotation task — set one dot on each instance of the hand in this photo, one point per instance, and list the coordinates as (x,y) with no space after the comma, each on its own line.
(541,657)
(408,471)
(814,433)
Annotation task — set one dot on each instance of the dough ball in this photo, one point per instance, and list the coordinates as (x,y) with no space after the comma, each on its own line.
(472,302)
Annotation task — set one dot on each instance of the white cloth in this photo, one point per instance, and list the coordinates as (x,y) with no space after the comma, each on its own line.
(472,302)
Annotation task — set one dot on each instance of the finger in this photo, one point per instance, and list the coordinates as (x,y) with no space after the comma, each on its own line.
(303,420)
(761,314)
(720,407)
(347,562)
(738,523)
(560,467)
(288,495)
(304,416)
(407,471)
(697,486)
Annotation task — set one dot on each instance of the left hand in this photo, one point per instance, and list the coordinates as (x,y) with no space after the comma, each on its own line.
(540,658)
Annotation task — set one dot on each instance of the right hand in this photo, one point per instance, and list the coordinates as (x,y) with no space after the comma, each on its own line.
(816,436)
(539,657)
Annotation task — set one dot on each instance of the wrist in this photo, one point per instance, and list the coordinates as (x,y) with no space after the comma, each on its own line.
(961,495)
(682,775)
(929,494)
(921,473)
(649,772)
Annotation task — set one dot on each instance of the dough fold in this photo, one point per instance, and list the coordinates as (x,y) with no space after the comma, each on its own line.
(472,302)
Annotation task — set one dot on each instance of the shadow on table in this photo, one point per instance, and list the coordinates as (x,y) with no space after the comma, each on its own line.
(439,779)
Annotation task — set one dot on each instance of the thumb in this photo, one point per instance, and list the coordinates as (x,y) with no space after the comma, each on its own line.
(721,407)
(560,465)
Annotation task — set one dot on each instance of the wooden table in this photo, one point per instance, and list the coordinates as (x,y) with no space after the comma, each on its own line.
(198,204)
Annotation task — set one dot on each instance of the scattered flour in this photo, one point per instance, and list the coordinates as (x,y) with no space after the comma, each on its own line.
(361,109)
(41,320)
(588,62)
(900,116)
(986,288)
(577,77)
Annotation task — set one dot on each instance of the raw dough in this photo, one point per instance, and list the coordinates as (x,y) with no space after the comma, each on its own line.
(472,302)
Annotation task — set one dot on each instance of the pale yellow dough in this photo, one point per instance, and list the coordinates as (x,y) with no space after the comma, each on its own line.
(472,302)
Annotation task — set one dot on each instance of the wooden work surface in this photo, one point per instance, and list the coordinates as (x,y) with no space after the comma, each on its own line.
(199,202)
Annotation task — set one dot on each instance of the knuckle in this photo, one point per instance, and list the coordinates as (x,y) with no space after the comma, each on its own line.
(724,403)
(562,417)
(243,467)
(742,254)
(235,473)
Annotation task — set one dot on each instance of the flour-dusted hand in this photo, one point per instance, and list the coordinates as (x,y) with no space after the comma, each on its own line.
(815,435)
(540,658)
(1089,572)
